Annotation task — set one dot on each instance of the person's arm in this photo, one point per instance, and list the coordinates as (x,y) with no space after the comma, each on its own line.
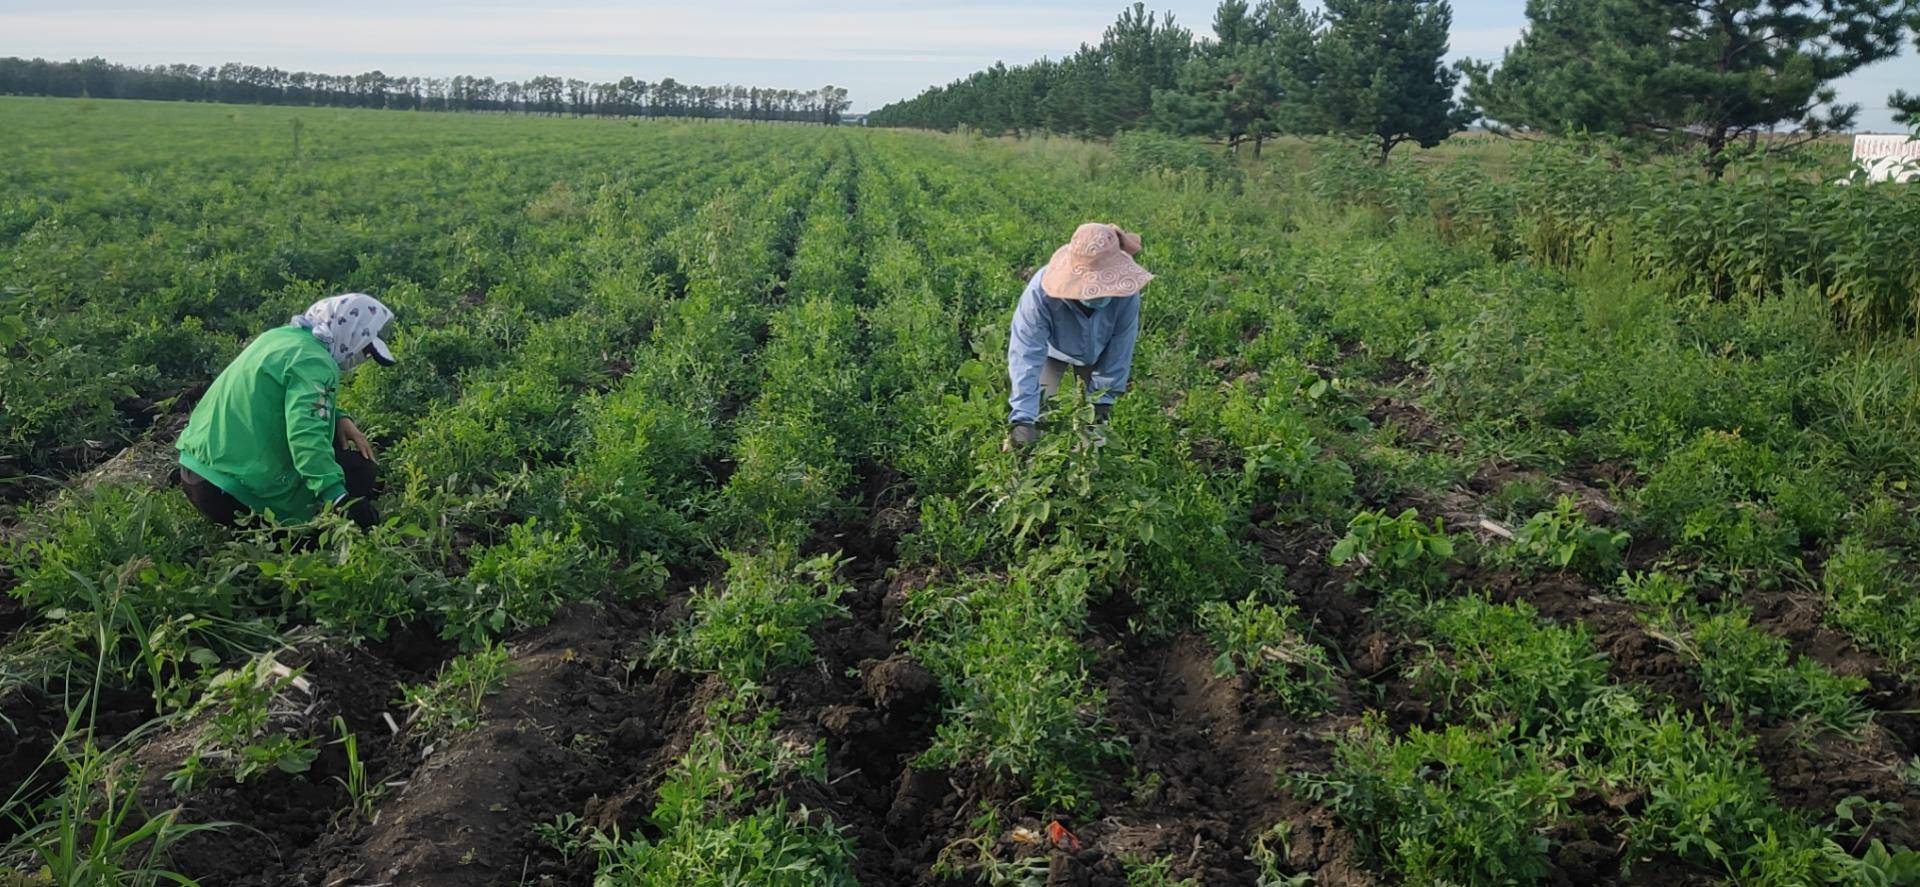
(1027,354)
(1115,366)
(310,427)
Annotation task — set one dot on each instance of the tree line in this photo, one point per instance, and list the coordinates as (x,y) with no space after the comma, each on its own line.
(1681,73)
(254,84)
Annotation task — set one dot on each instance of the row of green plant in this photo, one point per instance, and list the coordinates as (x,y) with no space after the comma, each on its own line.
(496,494)
(1760,441)
(1538,720)
(710,823)
(792,460)
(1741,666)
(1025,545)
(130,289)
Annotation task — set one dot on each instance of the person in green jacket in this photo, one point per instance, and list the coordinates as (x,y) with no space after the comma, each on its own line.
(268,438)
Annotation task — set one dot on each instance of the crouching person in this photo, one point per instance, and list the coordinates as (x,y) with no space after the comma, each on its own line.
(1079,314)
(267,437)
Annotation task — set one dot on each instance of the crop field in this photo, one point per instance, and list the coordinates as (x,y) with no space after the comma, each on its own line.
(1554,526)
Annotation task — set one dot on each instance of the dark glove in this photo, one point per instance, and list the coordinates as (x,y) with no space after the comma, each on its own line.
(1101,411)
(362,512)
(1023,435)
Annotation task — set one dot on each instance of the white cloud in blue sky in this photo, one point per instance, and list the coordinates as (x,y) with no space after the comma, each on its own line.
(879,51)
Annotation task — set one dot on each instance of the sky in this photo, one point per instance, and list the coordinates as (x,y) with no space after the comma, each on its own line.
(880,51)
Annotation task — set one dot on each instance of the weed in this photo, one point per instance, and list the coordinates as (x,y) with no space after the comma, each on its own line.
(1458,805)
(1263,640)
(761,619)
(452,704)
(363,793)
(1157,873)
(93,830)
(1563,539)
(1395,552)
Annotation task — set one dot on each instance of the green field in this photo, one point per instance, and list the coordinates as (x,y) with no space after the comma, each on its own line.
(1542,517)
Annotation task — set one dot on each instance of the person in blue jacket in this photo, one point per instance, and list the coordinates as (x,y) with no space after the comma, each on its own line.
(1081,313)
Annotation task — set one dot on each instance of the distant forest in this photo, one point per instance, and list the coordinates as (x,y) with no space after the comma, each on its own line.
(254,84)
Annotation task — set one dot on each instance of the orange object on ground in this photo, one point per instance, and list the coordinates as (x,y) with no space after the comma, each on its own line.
(1062,838)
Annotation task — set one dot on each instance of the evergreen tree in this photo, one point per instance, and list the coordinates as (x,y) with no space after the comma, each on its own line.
(1382,75)
(1906,106)
(1141,52)
(1688,72)
(1245,84)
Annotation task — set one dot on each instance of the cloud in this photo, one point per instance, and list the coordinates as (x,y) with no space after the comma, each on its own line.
(747,30)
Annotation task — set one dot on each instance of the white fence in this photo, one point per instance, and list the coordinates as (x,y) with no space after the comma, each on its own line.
(1888,158)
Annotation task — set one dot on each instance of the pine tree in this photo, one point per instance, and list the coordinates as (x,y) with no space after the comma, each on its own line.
(1142,52)
(1906,105)
(1243,85)
(1382,73)
(1687,72)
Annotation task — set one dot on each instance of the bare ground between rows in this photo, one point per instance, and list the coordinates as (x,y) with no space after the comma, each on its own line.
(279,818)
(1212,751)
(870,706)
(568,717)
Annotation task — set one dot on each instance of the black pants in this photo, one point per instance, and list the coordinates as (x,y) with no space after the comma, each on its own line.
(220,507)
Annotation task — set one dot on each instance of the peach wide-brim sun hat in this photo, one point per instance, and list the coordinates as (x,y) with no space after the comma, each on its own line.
(1096,264)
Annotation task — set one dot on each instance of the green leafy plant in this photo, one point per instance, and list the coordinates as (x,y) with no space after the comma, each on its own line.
(1563,539)
(1014,677)
(236,733)
(1758,672)
(709,832)
(1457,805)
(453,703)
(1869,593)
(521,582)
(1738,500)
(358,583)
(760,619)
(1399,551)
(1262,639)
(565,834)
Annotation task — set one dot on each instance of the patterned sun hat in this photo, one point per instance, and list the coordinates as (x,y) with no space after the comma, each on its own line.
(1096,264)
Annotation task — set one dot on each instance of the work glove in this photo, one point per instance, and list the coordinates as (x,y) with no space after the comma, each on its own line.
(1022,436)
(1101,411)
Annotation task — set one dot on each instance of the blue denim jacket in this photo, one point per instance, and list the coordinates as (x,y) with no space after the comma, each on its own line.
(1045,327)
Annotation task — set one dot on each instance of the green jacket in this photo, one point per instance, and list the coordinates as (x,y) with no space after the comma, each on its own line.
(264,431)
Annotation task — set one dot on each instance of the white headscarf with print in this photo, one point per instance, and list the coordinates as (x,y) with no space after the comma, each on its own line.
(347,324)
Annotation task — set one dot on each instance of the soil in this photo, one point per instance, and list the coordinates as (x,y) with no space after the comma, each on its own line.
(567,720)
(1817,773)
(1893,695)
(13,614)
(1218,749)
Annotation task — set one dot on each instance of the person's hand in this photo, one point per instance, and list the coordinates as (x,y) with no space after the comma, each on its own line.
(350,435)
(1102,412)
(1129,241)
(1022,436)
